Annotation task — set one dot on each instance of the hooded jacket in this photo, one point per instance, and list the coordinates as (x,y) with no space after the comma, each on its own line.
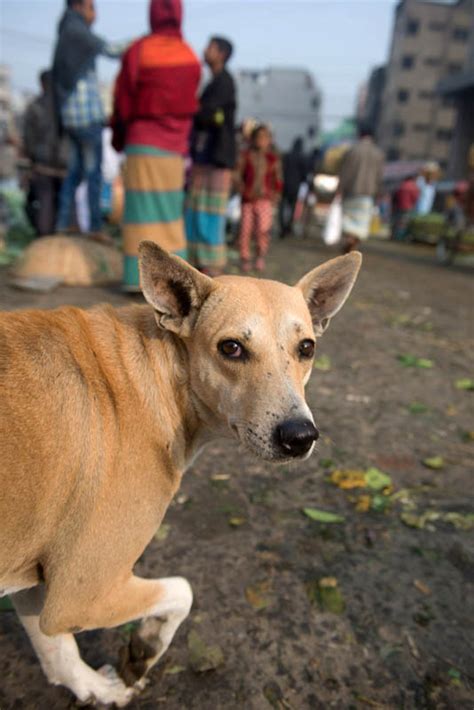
(155,92)
(75,53)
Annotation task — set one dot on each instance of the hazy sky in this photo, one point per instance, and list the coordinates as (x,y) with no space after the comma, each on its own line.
(338,40)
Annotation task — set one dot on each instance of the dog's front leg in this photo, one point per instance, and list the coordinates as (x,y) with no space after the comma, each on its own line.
(162,604)
(60,659)
(156,630)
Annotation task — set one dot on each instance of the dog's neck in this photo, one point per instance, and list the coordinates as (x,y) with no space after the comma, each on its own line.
(165,352)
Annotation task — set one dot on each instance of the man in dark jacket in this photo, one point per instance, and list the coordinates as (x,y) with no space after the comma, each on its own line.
(80,107)
(47,154)
(295,169)
(214,155)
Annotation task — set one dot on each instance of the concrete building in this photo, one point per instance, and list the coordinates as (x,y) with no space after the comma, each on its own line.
(287,99)
(5,94)
(429,42)
(460,88)
(369,103)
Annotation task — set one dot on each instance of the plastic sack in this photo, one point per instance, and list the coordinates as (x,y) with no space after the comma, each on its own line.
(333,227)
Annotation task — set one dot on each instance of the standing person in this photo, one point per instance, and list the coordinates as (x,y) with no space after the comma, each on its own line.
(259,181)
(155,100)
(80,107)
(294,173)
(404,202)
(214,154)
(46,151)
(427,188)
(360,180)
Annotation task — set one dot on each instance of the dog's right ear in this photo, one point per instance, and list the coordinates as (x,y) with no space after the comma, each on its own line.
(174,288)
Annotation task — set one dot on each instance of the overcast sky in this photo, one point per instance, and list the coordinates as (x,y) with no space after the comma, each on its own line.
(338,40)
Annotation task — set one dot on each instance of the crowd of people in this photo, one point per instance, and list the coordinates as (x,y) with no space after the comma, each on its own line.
(183,157)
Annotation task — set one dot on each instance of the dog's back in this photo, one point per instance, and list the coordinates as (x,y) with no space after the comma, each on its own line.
(70,406)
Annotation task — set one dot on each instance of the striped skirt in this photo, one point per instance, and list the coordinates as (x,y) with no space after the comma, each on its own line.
(154,196)
(357,213)
(205,217)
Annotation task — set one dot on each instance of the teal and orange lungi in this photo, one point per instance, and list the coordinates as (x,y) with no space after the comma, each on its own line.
(205,217)
(154,184)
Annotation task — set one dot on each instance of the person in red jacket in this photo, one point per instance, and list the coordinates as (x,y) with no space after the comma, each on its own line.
(259,180)
(154,104)
(404,202)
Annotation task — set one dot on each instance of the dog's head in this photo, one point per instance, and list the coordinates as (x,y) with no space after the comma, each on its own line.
(250,344)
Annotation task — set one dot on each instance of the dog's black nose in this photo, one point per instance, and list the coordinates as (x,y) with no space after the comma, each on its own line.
(296,436)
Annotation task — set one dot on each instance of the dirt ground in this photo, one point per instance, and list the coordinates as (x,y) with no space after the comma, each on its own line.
(402,636)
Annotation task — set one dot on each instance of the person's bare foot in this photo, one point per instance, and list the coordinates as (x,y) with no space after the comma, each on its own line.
(260,264)
(245,266)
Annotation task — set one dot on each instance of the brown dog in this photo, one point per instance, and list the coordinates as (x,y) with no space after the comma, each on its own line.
(102,410)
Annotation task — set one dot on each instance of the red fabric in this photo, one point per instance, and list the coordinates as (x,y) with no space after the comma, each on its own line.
(155,92)
(166,17)
(407,195)
(256,221)
(272,182)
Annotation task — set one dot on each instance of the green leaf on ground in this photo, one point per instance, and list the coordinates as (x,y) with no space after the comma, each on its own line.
(377,480)
(174,670)
(465,383)
(258,595)
(236,521)
(201,656)
(326,593)
(162,532)
(461,521)
(322,363)
(380,503)
(322,516)
(434,462)
(413,361)
(6,604)
(418,408)
(326,463)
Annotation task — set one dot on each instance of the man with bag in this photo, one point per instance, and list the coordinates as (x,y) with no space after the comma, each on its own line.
(360,180)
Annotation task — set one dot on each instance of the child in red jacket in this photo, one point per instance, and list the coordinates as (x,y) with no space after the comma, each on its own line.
(259,180)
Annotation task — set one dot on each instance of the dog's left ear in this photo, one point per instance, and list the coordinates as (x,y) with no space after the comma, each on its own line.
(326,288)
(174,288)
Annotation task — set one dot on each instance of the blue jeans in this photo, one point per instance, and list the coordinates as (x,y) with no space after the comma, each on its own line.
(85,163)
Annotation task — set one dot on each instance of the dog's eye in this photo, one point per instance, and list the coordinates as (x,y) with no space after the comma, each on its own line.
(306,348)
(232,349)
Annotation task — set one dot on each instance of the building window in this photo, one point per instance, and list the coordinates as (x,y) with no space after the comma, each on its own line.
(436,26)
(426,94)
(403,96)
(420,127)
(444,134)
(454,68)
(447,102)
(443,164)
(461,34)
(393,154)
(398,129)
(432,61)
(412,26)
(408,61)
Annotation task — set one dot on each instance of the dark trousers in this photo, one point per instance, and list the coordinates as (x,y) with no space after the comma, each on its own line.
(286,212)
(85,163)
(42,203)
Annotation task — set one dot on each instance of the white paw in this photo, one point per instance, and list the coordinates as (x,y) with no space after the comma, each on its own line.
(105,687)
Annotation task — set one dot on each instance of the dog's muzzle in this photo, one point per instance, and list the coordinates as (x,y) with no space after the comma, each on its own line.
(295,437)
